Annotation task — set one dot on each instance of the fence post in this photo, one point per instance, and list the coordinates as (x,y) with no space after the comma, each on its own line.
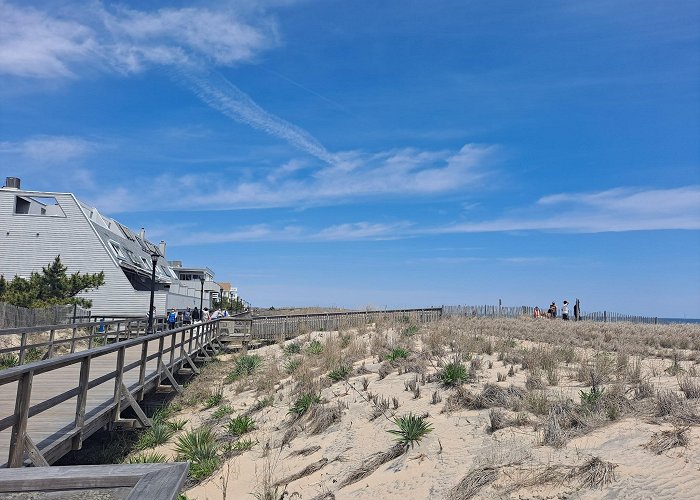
(83,382)
(19,428)
(23,345)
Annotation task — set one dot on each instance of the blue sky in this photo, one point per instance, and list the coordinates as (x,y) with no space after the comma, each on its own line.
(394,153)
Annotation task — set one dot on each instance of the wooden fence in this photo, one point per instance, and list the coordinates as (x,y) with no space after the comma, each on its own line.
(520,311)
(12,316)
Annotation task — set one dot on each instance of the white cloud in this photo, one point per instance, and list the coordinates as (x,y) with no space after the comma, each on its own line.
(622,209)
(41,44)
(50,149)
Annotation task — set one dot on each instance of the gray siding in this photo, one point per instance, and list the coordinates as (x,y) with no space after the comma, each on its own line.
(30,242)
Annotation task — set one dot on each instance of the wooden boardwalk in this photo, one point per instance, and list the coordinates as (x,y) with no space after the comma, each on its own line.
(49,407)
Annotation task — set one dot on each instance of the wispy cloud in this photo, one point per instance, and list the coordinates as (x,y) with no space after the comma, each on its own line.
(39,44)
(50,149)
(622,209)
(223,96)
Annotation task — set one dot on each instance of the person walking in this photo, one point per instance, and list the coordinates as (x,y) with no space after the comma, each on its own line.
(187,317)
(553,308)
(196,315)
(172,318)
(565,310)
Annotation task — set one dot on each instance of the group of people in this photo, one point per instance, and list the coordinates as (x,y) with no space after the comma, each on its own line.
(192,316)
(553,311)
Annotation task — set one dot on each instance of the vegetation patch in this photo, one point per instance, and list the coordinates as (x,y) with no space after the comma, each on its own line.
(411,429)
(200,449)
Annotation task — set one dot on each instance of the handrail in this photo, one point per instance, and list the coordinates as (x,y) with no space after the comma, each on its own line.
(184,342)
(348,313)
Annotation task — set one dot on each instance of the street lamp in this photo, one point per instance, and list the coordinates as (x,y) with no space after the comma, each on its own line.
(201,296)
(154,259)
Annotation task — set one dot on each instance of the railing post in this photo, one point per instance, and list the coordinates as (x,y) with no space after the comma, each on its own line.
(80,405)
(22,347)
(172,351)
(118,384)
(72,341)
(19,428)
(161,342)
(142,368)
(52,336)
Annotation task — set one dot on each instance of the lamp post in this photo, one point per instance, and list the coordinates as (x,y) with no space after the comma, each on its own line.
(154,259)
(201,296)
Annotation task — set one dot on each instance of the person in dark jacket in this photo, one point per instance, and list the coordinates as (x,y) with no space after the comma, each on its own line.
(196,316)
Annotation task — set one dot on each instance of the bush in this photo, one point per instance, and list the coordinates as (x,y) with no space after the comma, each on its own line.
(177,425)
(454,374)
(411,429)
(302,404)
(240,425)
(315,347)
(243,444)
(147,457)
(244,366)
(291,365)
(199,448)
(340,373)
(292,348)
(157,434)
(397,353)
(8,360)
(222,411)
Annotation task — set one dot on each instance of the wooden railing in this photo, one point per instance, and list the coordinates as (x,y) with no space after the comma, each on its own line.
(182,346)
(42,342)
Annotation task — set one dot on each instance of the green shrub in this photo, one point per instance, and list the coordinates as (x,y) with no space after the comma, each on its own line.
(315,347)
(244,444)
(397,353)
(8,360)
(292,348)
(340,373)
(259,404)
(157,434)
(589,400)
(411,429)
(291,365)
(177,425)
(33,354)
(199,448)
(302,404)
(410,331)
(245,365)
(147,457)
(222,411)
(240,425)
(453,374)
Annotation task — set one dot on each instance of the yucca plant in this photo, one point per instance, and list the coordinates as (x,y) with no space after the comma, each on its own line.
(292,348)
(8,360)
(397,353)
(302,404)
(147,457)
(315,347)
(291,365)
(244,444)
(240,425)
(178,424)
(453,374)
(157,434)
(222,411)
(340,373)
(244,365)
(411,429)
(199,448)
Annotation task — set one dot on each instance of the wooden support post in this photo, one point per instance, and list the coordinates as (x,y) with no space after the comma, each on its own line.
(72,341)
(118,380)
(161,343)
(19,428)
(172,350)
(140,415)
(34,454)
(22,347)
(142,369)
(77,441)
(52,336)
(170,377)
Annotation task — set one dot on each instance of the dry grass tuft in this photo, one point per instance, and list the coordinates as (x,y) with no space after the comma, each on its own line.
(322,416)
(463,398)
(560,422)
(596,473)
(665,440)
(473,482)
(372,463)
(305,452)
(690,386)
(306,471)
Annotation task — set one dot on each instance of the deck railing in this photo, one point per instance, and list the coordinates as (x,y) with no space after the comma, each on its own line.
(183,344)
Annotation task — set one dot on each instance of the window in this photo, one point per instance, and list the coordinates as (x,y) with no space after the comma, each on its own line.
(133,258)
(146,264)
(117,249)
(38,205)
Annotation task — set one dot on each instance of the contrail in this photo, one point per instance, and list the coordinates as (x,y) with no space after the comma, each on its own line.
(220,94)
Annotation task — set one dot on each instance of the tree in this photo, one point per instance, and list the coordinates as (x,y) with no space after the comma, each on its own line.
(53,286)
